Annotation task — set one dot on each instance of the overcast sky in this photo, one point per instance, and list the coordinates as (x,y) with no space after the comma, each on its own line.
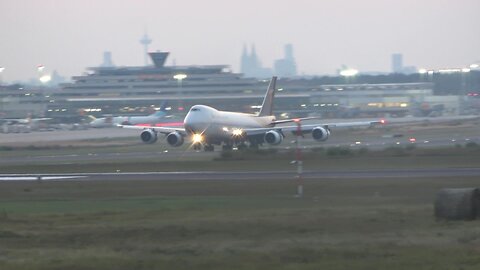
(70,35)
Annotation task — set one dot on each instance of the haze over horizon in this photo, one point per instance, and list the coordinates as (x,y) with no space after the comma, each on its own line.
(68,36)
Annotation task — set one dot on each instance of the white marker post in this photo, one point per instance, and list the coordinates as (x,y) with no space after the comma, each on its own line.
(299,160)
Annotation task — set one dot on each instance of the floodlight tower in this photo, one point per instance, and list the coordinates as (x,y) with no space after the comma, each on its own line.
(145,41)
(1,70)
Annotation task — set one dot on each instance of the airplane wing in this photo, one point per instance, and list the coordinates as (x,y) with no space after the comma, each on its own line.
(308,128)
(276,122)
(163,130)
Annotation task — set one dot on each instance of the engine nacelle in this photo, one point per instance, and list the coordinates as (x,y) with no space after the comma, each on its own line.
(320,133)
(148,136)
(175,139)
(273,137)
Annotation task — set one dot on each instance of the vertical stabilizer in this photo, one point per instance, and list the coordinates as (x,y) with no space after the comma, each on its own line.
(163,110)
(267,105)
(163,107)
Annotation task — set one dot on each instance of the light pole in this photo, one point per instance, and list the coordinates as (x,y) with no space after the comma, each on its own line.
(1,71)
(42,76)
(423,73)
(464,74)
(180,77)
(348,73)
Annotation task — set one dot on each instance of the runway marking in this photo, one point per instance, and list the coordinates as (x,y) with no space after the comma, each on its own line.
(35,178)
(256,175)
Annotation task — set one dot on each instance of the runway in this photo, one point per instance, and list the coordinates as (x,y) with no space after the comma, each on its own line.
(241,175)
(179,154)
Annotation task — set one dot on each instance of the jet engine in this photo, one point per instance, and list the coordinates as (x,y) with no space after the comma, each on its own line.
(148,136)
(273,137)
(320,133)
(175,139)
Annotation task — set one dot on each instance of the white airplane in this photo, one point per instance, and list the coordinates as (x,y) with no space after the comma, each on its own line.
(22,125)
(112,121)
(27,120)
(204,125)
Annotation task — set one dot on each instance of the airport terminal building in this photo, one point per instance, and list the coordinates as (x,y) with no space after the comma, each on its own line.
(140,90)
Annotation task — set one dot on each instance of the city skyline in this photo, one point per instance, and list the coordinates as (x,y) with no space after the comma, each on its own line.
(69,36)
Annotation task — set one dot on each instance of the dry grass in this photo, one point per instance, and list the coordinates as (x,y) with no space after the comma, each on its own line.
(339,224)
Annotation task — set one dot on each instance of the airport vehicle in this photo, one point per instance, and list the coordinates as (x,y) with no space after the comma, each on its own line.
(112,121)
(206,126)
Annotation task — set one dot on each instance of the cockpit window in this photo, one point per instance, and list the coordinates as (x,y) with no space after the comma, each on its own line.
(195,109)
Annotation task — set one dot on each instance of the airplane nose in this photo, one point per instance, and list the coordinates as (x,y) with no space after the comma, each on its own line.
(195,124)
(195,127)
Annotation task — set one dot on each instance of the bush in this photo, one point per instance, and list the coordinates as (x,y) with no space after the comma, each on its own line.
(471,145)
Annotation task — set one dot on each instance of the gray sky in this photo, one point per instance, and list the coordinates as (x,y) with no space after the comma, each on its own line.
(70,35)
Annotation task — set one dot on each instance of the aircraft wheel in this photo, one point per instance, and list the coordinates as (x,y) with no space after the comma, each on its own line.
(242,146)
(254,146)
(197,146)
(209,148)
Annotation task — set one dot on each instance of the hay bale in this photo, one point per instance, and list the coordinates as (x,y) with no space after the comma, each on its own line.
(458,204)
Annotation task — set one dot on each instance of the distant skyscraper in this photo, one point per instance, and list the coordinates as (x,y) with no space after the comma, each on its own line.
(107,60)
(288,49)
(286,67)
(245,60)
(397,63)
(251,66)
(398,67)
(145,41)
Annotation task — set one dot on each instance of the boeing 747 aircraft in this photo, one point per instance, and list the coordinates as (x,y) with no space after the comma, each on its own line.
(206,126)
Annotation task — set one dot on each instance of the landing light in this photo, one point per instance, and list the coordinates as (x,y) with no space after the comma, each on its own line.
(237,132)
(383,121)
(197,138)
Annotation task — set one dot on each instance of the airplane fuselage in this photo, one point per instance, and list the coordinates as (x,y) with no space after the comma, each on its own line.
(216,126)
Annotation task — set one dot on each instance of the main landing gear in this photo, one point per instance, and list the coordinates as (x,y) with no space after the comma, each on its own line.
(208,148)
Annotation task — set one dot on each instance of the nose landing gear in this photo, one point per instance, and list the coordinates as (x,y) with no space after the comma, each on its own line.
(197,146)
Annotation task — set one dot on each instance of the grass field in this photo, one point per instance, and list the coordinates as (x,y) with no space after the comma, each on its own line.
(339,224)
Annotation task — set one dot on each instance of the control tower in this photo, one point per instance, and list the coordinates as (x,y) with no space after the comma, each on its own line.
(145,41)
